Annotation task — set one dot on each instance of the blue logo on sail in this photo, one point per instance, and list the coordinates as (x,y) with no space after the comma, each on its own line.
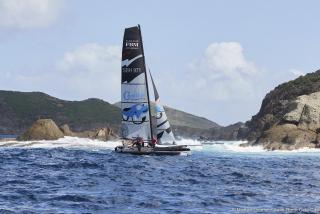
(135,113)
(159,110)
(130,96)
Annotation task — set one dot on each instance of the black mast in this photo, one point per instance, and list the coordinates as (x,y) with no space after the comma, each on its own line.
(146,77)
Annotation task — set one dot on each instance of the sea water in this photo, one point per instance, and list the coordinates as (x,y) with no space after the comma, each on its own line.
(73,175)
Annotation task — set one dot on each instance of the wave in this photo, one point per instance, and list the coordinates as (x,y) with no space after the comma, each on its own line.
(211,146)
(66,142)
(82,143)
(235,147)
(192,144)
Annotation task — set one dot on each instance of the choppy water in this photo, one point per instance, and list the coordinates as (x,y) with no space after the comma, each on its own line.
(80,176)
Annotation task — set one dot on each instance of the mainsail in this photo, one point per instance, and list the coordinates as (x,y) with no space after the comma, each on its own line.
(164,131)
(135,100)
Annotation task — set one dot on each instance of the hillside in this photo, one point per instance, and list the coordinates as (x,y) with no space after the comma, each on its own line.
(20,109)
(181,118)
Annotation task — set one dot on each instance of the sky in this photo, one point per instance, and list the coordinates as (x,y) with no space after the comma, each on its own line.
(215,59)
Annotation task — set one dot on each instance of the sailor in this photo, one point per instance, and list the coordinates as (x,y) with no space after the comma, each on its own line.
(153,142)
(138,142)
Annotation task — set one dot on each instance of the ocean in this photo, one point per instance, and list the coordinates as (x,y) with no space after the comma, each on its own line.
(73,175)
(2,136)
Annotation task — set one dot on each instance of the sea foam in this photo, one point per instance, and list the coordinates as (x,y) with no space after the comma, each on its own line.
(66,142)
(195,145)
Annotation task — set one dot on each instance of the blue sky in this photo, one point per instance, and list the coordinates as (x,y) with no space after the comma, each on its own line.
(216,59)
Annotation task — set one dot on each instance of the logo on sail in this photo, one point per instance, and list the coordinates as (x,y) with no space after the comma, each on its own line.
(132,44)
(132,96)
(135,113)
(127,62)
(159,110)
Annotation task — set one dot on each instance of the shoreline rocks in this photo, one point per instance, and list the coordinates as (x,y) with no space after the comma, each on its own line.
(42,129)
(47,129)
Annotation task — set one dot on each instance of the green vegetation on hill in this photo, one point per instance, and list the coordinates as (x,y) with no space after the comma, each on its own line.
(20,109)
(181,118)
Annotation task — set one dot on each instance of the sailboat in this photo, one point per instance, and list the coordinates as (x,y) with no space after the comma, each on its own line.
(137,123)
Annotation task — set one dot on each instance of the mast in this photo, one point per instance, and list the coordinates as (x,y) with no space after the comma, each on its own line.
(146,77)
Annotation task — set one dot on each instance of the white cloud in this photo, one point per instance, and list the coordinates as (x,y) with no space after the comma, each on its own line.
(28,13)
(223,72)
(296,72)
(222,84)
(91,57)
(88,71)
(92,70)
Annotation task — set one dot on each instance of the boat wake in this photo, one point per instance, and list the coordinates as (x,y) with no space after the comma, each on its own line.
(192,144)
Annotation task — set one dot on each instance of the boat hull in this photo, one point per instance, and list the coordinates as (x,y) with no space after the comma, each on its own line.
(175,150)
(172,148)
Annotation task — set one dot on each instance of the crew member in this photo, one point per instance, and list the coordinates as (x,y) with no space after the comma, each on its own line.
(138,142)
(153,142)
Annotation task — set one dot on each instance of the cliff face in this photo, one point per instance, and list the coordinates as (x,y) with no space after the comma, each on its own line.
(289,117)
(275,104)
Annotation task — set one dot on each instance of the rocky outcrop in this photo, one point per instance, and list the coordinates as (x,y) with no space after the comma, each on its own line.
(305,112)
(299,127)
(287,137)
(277,103)
(46,129)
(103,134)
(66,130)
(42,129)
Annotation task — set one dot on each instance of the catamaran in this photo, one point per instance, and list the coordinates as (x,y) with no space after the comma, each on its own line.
(137,128)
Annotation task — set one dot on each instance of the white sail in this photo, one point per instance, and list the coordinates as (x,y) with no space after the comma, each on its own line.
(134,94)
(164,132)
